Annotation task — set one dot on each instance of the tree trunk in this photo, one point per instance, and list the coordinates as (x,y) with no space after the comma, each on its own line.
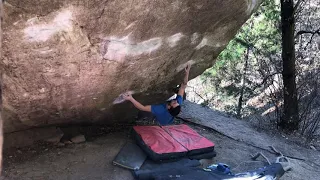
(246,58)
(290,117)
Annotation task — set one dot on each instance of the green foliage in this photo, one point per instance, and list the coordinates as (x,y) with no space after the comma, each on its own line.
(262,29)
(262,33)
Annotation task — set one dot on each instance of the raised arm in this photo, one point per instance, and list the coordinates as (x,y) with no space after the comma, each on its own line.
(185,81)
(137,104)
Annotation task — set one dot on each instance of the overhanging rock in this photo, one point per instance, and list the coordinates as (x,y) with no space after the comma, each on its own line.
(66,61)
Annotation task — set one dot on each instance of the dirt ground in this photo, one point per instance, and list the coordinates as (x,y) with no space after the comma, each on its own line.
(245,136)
(93,159)
(89,160)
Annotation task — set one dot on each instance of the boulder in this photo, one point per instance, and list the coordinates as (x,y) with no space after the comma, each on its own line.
(1,121)
(65,62)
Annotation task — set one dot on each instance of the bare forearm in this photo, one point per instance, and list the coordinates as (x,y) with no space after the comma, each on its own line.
(186,78)
(139,106)
(184,84)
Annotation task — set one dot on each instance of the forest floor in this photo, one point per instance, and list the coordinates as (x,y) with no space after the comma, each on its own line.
(235,141)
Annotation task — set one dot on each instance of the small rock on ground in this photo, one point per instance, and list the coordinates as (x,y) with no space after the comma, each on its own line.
(78,139)
(56,137)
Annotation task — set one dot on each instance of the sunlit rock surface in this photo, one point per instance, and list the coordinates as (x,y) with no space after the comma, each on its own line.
(66,61)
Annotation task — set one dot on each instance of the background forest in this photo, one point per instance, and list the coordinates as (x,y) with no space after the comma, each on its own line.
(270,72)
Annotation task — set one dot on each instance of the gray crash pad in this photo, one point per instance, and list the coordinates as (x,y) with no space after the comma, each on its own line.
(130,157)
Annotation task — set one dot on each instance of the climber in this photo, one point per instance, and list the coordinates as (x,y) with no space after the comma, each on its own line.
(164,113)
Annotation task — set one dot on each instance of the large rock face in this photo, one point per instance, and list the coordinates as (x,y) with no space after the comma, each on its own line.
(66,61)
(1,121)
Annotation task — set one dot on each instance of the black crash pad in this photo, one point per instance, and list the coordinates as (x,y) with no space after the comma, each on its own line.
(130,157)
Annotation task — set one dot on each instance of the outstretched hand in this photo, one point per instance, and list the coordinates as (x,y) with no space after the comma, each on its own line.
(127,96)
(187,69)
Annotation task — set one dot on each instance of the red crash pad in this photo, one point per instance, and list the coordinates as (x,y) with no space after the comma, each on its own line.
(167,142)
(187,137)
(159,140)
